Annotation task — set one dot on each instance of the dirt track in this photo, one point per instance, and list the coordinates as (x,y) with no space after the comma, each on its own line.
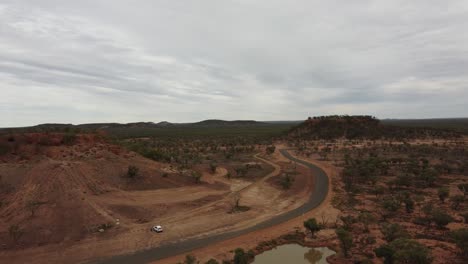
(318,195)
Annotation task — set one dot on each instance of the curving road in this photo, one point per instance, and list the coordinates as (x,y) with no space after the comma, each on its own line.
(171,249)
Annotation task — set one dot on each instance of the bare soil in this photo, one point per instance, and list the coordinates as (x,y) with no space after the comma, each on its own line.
(74,203)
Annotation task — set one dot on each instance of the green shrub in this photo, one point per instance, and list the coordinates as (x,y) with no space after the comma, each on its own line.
(346,240)
(402,251)
(393,231)
(132,171)
(312,225)
(440,218)
(461,240)
(443,193)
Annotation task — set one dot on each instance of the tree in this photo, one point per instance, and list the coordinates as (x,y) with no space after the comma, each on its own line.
(15,233)
(461,240)
(312,225)
(132,172)
(443,193)
(190,259)
(287,181)
(404,250)
(346,240)
(270,149)
(240,257)
(197,176)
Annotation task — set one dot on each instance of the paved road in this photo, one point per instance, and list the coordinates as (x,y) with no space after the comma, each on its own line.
(171,249)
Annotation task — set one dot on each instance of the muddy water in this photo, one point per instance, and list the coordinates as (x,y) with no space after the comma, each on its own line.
(294,254)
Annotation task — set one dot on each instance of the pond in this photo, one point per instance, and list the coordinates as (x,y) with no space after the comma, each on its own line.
(294,254)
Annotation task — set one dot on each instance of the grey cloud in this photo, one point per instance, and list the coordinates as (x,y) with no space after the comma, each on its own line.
(167,60)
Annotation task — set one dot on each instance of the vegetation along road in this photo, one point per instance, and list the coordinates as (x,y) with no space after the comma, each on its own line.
(171,249)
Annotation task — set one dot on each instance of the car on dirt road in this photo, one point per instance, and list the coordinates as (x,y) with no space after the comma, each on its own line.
(157,229)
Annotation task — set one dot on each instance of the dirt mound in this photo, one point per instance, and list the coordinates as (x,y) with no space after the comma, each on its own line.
(48,185)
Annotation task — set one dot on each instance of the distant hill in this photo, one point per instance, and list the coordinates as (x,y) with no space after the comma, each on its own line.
(110,127)
(459,124)
(330,127)
(361,127)
(217,122)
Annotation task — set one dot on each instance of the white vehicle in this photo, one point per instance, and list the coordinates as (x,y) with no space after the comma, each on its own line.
(157,229)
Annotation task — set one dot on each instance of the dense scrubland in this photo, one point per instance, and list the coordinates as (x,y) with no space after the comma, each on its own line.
(402,192)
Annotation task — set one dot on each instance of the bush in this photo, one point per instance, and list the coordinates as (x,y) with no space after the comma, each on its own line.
(366,218)
(287,181)
(393,231)
(348,221)
(270,150)
(15,232)
(212,261)
(404,250)
(465,217)
(189,259)
(346,240)
(312,226)
(69,139)
(440,218)
(132,171)
(240,257)
(213,167)
(443,193)
(197,176)
(461,240)
(4,149)
(391,205)
(456,201)
(463,188)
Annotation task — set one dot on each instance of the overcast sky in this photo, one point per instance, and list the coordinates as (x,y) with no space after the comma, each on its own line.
(125,61)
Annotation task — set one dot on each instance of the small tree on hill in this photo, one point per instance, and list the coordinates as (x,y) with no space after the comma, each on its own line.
(133,172)
(197,176)
(312,225)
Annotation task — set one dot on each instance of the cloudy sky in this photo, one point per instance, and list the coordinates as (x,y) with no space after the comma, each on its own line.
(126,60)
